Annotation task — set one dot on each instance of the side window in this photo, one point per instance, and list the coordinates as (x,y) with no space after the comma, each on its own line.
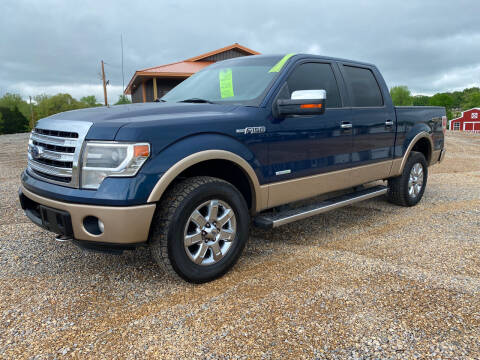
(456,126)
(315,76)
(363,87)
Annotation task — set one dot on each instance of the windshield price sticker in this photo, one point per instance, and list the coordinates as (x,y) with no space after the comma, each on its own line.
(226,83)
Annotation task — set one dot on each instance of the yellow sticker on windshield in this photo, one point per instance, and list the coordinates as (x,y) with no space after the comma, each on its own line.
(226,83)
(278,66)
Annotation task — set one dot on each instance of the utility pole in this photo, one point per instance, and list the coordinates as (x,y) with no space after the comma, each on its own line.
(32,123)
(104,85)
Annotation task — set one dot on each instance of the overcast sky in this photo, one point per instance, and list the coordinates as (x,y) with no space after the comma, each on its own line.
(56,46)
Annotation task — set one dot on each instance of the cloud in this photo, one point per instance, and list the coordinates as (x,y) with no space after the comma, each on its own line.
(468,76)
(427,45)
(314,49)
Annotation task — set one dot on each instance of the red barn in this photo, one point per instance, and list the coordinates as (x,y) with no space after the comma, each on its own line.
(469,121)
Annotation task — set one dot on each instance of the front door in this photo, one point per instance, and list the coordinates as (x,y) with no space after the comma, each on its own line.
(303,146)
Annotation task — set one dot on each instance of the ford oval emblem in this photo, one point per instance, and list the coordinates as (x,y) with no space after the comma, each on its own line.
(37,152)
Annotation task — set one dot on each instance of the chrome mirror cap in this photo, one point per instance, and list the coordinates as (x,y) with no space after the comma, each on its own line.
(309,95)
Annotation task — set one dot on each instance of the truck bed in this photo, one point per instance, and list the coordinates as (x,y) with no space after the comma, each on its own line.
(418,117)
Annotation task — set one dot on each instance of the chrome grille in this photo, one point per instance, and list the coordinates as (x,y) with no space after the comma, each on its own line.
(54,150)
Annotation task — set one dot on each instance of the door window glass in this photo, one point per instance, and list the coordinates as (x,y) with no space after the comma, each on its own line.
(364,89)
(315,76)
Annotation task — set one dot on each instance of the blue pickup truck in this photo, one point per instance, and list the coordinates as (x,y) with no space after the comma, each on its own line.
(242,139)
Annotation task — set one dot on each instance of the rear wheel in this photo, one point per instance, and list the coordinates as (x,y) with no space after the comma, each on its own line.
(408,188)
(200,229)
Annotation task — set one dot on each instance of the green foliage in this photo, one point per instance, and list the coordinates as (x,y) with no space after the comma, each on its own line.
(90,101)
(401,96)
(454,102)
(12,101)
(12,121)
(49,105)
(457,97)
(449,114)
(123,99)
(420,100)
(442,99)
(15,111)
(472,99)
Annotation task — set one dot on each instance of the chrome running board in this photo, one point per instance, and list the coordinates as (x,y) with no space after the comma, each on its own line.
(273,220)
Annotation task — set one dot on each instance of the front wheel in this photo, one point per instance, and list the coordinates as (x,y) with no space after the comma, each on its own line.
(200,229)
(408,188)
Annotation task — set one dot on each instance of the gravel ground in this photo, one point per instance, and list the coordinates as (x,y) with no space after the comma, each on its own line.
(368,281)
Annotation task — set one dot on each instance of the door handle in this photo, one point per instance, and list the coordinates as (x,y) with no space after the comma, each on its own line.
(346,125)
(389,123)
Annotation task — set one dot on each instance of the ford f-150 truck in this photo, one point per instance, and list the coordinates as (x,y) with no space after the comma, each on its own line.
(236,141)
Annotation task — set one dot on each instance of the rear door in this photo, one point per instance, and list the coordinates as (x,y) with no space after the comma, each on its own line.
(373,118)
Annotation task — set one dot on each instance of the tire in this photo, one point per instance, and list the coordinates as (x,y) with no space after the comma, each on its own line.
(187,213)
(400,187)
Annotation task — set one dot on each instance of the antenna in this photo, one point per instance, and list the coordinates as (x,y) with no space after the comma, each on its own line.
(123,75)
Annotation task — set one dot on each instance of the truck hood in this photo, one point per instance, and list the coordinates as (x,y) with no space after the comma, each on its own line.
(107,121)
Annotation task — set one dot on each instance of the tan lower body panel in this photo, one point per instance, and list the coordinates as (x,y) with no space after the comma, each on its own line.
(123,224)
(288,191)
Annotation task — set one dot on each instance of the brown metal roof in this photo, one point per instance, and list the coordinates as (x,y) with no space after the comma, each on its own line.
(183,68)
(236,46)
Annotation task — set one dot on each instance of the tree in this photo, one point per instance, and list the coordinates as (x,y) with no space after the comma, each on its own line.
(471,98)
(401,96)
(442,99)
(420,100)
(49,105)
(123,99)
(457,97)
(90,101)
(12,121)
(10,101)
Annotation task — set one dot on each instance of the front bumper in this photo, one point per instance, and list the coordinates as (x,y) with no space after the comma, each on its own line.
(122,224)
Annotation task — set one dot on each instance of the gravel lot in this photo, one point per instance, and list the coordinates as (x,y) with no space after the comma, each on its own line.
(368,281)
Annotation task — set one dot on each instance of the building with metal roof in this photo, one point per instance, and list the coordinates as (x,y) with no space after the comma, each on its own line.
(150,84)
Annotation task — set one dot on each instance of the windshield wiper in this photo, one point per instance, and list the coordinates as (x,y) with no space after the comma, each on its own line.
(196,100)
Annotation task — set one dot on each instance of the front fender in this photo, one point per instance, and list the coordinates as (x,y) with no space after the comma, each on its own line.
(194,149)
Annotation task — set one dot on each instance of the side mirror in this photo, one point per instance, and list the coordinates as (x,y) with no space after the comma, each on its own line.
(303,102)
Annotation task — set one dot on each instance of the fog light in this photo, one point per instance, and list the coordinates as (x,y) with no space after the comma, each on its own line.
(93,225)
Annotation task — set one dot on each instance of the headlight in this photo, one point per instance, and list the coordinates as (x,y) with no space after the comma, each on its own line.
(106,159)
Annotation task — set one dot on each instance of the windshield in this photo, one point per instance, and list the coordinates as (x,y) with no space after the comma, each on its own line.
(239,81)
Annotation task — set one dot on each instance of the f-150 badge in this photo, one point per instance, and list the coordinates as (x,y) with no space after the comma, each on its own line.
(252,130)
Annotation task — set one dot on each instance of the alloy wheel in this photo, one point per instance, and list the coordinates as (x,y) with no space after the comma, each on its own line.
(210,232)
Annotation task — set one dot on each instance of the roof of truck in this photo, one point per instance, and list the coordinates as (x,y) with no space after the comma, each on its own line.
(329,58)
